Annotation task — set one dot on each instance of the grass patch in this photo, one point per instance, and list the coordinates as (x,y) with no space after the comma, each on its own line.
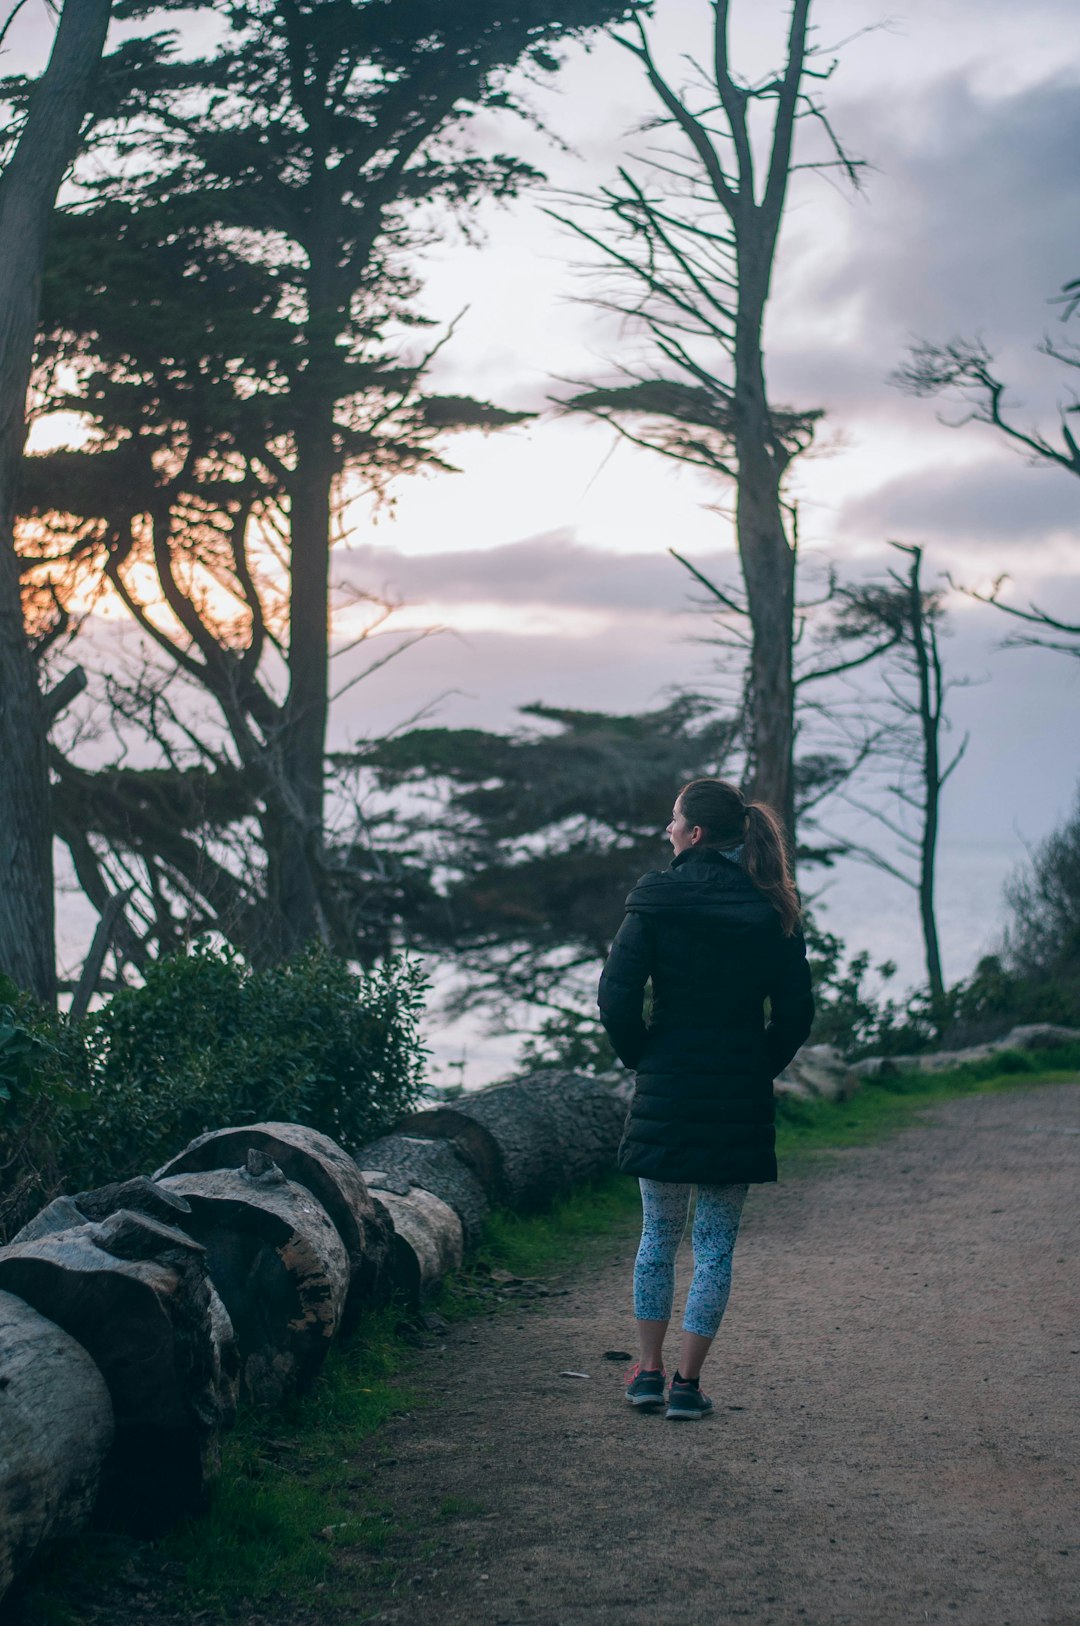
(286,1512)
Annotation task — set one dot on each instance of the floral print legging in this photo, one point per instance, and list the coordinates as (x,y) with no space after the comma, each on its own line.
(665,1208)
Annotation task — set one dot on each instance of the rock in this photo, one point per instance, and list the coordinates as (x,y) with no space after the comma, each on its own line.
(818,1073)
(1030,1036)
(320,1165)
(1039,1036)
(56,1429)
(400,1162)
(279,1265)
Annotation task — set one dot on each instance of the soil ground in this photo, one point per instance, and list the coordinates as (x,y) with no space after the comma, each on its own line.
(896,1437)
(897,1427)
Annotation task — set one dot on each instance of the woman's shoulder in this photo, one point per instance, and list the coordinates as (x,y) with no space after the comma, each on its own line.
(722,889)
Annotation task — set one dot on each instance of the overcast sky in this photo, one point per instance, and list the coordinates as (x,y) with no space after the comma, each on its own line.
(548,554)
(545,558)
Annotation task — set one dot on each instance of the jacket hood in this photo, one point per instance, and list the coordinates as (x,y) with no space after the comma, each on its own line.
(701,881)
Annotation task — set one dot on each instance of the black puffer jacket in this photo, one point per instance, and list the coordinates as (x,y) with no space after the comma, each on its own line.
(714,947)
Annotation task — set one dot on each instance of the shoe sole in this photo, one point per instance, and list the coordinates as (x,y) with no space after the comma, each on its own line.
(645,1400)
(686,1416)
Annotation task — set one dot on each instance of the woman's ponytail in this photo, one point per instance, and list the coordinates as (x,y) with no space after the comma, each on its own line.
(728,822)
(765,860)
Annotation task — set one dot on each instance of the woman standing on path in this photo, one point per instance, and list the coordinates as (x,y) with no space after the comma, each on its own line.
(717,933)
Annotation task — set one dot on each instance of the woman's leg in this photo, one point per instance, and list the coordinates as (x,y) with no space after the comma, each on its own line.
(664,1209)
(716,1225)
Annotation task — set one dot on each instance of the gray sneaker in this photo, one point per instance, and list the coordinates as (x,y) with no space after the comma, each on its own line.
(686,1401)
(646,1388)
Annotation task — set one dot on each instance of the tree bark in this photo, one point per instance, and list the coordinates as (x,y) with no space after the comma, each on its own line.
(135,1294)
(28,190)
(57,1427)
(297,862)
(428,1239)
(928,672)
(323,1168)
(436,1166)
(550,1130)
(768,565)
(279,1265)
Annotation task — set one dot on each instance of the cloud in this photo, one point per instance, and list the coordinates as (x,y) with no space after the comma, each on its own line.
(993,501)
(552,570)
(971,221)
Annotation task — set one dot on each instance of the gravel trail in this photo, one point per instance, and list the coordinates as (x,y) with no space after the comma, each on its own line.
(897,1427)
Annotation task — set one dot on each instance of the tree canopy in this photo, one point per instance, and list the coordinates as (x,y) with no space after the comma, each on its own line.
(232,305)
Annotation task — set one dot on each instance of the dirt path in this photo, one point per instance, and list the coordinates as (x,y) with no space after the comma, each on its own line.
(897,1426)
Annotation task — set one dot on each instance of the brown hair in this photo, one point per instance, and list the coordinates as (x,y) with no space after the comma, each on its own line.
(726,820)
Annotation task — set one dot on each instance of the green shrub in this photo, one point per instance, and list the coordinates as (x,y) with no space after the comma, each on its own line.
(206,1041)
(571,1040)
(42,1089)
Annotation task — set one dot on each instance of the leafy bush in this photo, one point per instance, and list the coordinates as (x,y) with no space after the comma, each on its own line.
(42,1088)
(206,1041)
(569,1039)
(853,1018)
(1042,941)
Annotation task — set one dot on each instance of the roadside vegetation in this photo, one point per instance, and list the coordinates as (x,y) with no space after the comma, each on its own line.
(292,1520)
(205,1040)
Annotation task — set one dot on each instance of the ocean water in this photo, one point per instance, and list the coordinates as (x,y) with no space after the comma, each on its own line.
(863,906)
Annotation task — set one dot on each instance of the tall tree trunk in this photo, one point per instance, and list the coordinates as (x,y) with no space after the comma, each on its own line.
(300,825)
(300,835)
(928,671)
(766,556)
(693,277)
(28,190)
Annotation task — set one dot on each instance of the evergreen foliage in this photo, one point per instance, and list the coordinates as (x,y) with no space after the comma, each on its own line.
(232,308)
(533,838)
(206,1041)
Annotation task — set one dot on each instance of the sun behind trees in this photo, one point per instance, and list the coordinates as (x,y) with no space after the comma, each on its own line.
(234,316)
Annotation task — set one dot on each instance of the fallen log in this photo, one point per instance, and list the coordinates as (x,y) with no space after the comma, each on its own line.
(550,1130)
(436,1166)
(588,1118)
(62,1214)
(279,1265)
(56,1428)
(428,1239)
(472,1140)
(134,1293)
(140,1195)
(317,1163)
(1029,1036)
